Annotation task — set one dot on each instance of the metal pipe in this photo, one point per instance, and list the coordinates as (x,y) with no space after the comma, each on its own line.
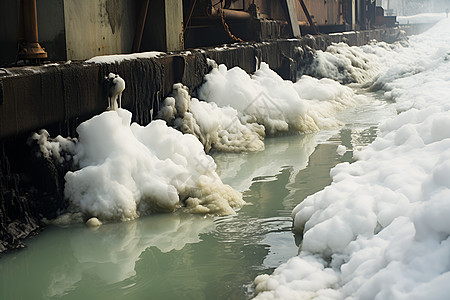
(140,26)
(230,14)
(30,48)
(30,21)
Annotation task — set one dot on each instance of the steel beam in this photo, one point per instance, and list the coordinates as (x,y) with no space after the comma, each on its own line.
(308,16)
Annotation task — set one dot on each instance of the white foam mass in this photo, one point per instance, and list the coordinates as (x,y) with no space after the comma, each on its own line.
(216,127)
(116,88)
(344,64)
(279,105)
(60,149)
(126,170)
(381,230)
(112,59)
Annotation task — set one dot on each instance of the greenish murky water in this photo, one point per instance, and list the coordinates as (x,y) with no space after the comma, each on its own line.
(179,256)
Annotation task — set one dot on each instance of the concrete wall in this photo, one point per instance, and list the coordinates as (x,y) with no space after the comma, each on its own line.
(37,97)
(99,27)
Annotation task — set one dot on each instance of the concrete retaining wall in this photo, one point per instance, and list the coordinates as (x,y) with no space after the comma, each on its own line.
(67,94)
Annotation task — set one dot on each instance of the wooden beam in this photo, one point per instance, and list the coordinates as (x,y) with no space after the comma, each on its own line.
(293,21)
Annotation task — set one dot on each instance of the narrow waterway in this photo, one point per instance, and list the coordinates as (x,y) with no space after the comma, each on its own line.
(179,256)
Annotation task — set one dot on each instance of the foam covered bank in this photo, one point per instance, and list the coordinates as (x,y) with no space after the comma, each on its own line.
(125,170)
(120,170)
(381,229)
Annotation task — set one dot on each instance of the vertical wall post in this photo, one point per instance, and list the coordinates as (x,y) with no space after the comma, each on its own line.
(353,14)
(293,21)
(174,25)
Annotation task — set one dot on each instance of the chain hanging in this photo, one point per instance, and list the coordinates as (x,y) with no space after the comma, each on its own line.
(226,27)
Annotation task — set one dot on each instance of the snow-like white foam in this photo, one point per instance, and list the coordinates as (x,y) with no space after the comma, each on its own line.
(116,86)
(381,229)
(126,170)
(218,127)
(344,63)
(279,105)
(111,59)
(60,149)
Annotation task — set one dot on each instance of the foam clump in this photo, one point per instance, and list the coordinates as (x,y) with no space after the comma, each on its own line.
(115,87)
(125,170)
(381,229)
(220,128)
(93,222)
(279,105)
(344,64)
(341,149)
(60,149)
(117,59)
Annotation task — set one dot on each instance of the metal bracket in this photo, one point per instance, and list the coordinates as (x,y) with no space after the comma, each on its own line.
(308,16)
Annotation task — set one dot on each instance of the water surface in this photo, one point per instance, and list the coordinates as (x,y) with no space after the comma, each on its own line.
(180,256)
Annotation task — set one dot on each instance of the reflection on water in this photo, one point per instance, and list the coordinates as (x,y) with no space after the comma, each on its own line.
(64,261)
(242,170)
(178,256)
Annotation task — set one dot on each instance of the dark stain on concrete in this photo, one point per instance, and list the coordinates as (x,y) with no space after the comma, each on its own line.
(115,13)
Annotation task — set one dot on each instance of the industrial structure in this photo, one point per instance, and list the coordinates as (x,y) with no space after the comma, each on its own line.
(80,29)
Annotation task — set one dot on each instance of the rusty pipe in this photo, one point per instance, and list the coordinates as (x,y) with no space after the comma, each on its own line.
(140,26)
(230,14)
(30,48)
(30,20)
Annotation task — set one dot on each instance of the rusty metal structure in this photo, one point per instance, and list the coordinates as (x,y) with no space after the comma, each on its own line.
(81,29)
(256,20)
(29,47)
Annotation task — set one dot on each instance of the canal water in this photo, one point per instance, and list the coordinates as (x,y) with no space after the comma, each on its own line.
(181,256)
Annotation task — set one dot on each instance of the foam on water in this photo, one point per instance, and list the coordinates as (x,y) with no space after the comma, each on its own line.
(381,229)
(218,127)
(125,170)
(279,105)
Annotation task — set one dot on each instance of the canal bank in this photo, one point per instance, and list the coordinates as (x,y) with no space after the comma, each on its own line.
(60,96)
(186,256)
